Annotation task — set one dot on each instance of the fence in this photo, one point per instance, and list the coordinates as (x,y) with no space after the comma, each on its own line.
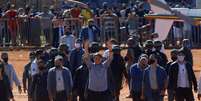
(181,30)
(34,31)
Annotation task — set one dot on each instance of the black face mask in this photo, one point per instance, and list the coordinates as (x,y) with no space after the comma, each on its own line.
(57,66)
(41,67)
(174,58)
(151,61)
(90,26)
(5,60)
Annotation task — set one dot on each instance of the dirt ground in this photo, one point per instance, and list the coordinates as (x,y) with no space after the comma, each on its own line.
(20,58)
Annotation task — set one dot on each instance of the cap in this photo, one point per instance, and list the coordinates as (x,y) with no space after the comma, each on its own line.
(116,48)
(58,57)
(39,51)
(32,53)
(78,41)
(181,51)
(149,43)
(174,51)
(157,43)
(97,54)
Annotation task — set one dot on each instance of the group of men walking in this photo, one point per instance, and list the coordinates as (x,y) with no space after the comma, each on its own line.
(84,74)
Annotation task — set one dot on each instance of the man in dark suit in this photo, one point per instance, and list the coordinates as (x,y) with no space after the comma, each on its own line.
(182,78)
(59,81)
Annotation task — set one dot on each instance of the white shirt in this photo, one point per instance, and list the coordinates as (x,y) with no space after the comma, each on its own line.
(183,80)
(106,54)
(69,40)
(34,68)
(59,81)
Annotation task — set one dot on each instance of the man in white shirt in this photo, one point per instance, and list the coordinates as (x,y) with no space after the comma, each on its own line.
(59,83)
(68,38)
(182,77)
(109,45)
(34,66)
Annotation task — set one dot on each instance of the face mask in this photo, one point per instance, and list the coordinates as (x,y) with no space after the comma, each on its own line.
(90,26)
(57,66)
(174,58)
(151,61)
(41,68)
(77,45)
(180,58)
(5,60)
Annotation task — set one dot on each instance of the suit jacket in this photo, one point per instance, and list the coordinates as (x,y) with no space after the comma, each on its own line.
(161,80)
(51,81)
(173,75)
(84,34)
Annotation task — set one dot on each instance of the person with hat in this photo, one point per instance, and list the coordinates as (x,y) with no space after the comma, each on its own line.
(90,32)
(5,87)
(137,78)
(63,50)
(68,38)
(162,58)
(149,46)
(133,53)
(59,81)
(53,53)
(118,70)
(27,74)
(98,88)
(182,77)
(38,89)
(186,47)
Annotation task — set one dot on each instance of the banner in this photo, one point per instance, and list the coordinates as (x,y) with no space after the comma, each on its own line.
(162,27)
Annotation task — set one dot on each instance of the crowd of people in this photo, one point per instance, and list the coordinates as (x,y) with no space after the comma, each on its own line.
(88,73)
(18,26)
(73,67)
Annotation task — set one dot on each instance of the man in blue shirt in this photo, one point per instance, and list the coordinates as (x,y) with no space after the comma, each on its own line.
(76,56)
(137,76)
(98,84)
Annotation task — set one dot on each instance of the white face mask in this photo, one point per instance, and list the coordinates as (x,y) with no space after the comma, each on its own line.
(77,45)
(180,58)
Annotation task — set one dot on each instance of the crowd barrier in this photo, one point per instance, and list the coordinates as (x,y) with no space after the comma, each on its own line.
(36,31)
